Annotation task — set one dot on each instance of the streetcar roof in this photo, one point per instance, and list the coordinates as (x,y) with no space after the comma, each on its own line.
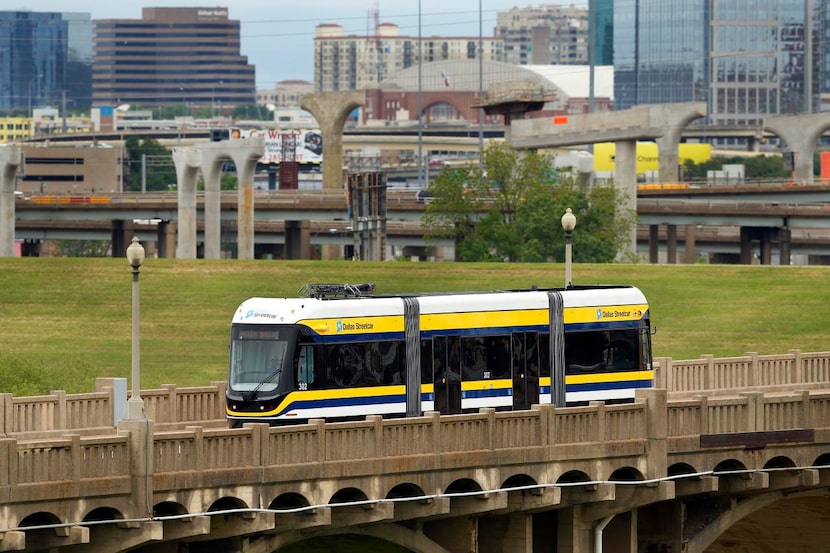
(260,310)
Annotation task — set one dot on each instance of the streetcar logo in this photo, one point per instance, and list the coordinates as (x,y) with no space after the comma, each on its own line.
(339,326)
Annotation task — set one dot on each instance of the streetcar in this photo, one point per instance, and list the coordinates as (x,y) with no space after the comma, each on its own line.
(341,352)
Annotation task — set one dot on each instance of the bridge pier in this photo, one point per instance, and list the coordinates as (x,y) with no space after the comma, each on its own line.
(209,159)
(10,160)
(800,133)
(187,163)
(298,239)
(689,238)
(331,109)
(765,237)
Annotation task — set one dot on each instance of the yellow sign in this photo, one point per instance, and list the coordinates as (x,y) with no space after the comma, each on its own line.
(647,155)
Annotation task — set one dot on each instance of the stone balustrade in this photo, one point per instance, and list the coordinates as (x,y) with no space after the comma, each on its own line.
(171,406)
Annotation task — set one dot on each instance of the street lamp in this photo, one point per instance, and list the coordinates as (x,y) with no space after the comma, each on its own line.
(122,108)
(135,405)
(568,224)
(31,113)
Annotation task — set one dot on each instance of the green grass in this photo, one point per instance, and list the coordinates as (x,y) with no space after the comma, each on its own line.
(65,321)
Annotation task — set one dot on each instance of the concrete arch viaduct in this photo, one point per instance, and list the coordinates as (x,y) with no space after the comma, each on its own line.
(662,123)
(736,458)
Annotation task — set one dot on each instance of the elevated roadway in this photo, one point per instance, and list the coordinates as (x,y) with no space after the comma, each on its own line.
(802,210)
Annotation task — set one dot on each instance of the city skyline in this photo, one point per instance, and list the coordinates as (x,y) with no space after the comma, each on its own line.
(282,48)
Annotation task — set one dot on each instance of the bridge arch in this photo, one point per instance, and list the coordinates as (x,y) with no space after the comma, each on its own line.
(679,469)
(406,539)
(169,508)
(573,477)
(800,133)
(463,486)
(227,504)
(626,474)
(103,513)
(405,490)
(519,481)
(290,500)
(762,520)
(348,495)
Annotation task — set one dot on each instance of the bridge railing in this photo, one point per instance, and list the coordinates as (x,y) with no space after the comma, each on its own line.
(416,444)
(782,372)
(171,405)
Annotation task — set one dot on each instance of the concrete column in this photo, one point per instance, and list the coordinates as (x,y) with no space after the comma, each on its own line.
(187,162)
(800,133)
(671,244)
(298,240)
(245,219)
(513,533)
(746,246)
(654,243)
(31,248)
(573,535)
(140,438)
(212,174)
(691,230)
(246,160)
(122,234)
(672,119)
(10,159)
(625,179)
(331,109)
(784,245)
(766,246)
(166,239)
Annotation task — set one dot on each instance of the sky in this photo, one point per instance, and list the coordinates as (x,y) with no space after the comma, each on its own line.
(278,35)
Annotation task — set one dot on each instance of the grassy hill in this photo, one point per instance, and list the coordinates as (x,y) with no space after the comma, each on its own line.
(64,321)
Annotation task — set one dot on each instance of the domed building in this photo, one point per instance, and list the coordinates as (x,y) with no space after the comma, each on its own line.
(450,91)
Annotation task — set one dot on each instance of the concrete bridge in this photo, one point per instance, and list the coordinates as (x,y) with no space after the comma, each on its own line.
(726,454)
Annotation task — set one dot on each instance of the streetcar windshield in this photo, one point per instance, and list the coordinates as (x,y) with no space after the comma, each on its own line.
(260,358)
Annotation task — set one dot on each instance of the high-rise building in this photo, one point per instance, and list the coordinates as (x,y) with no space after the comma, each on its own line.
(349,62)
(545,35)
(603,17)
(35,58)
(171,56)
(745,58)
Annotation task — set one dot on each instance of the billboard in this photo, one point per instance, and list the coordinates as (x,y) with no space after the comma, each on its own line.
(308,143)
(604,153)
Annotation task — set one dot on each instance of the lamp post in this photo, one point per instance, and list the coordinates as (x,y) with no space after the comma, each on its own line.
(568,224)
(135,405)
(31,113)
(122,108)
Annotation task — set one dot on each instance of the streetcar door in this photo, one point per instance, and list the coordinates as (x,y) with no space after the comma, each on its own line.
(446,373)
(525,369)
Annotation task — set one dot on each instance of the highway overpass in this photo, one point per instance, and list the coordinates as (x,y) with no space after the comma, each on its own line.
(709,218)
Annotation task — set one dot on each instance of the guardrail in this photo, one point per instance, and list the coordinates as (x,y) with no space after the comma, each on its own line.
(197,449)
(171,406)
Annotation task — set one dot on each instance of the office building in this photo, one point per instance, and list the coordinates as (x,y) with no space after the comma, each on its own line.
(188,56)
(350,62)
(545,35)
(41,59)
(745,58)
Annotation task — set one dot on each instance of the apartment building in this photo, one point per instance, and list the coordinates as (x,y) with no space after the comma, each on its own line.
(351,62)
(548,34)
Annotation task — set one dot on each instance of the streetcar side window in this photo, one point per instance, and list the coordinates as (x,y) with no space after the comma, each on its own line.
(306,379)
(365,364)
(600,351)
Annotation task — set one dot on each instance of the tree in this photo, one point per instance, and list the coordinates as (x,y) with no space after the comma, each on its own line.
(148,158)
(509,210)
